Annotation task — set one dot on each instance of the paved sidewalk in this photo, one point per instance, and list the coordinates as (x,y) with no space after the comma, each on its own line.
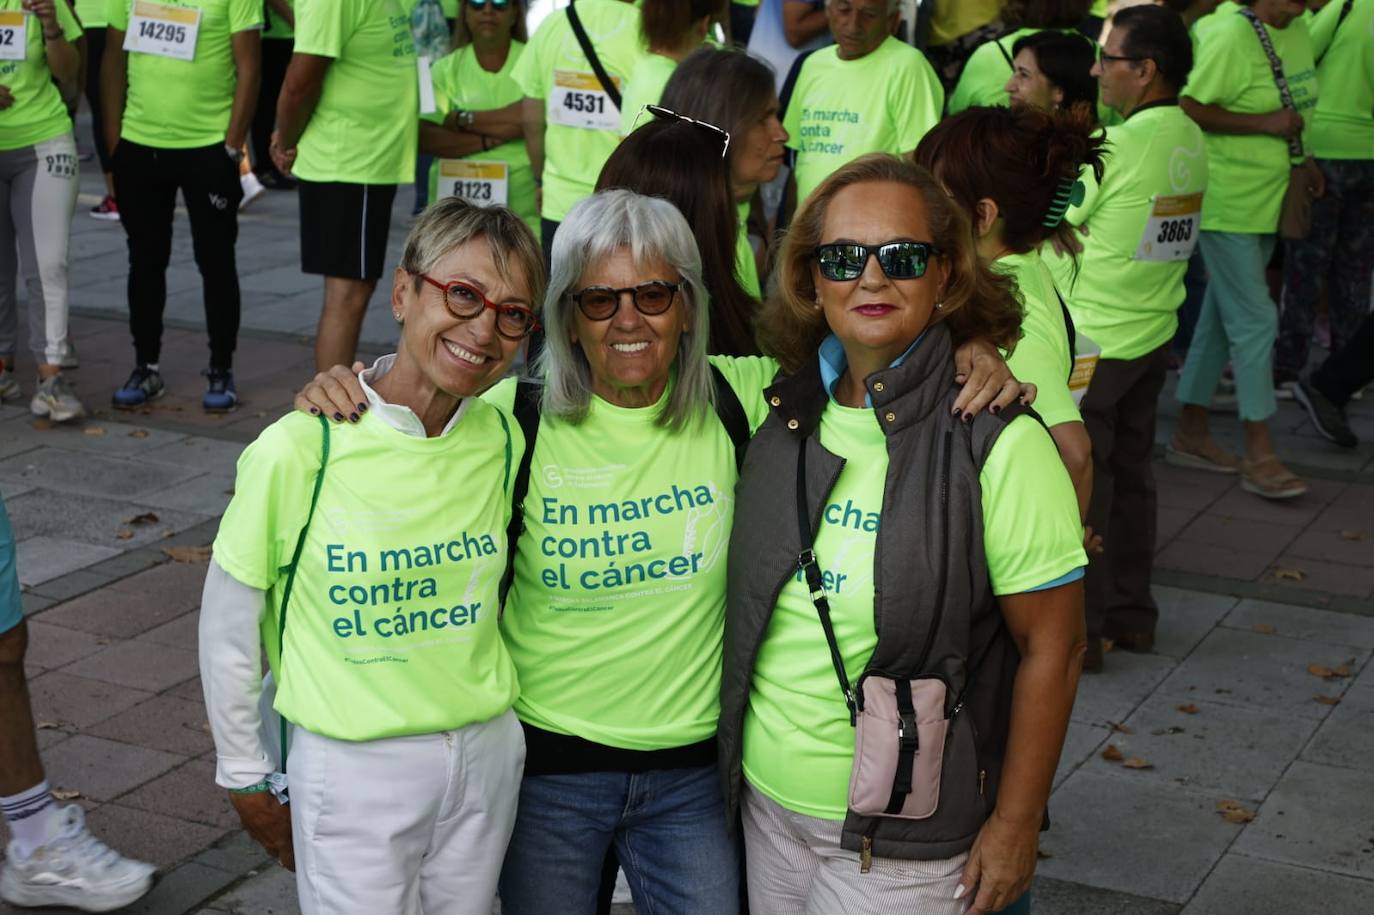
(1245,777)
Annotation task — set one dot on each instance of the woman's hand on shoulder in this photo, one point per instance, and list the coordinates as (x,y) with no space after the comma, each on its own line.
(988,382)
(1000,865)
(335,393)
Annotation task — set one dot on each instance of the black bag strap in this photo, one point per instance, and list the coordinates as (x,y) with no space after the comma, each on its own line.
(908,745)
(1276,68)
(1340,20)
(806,561)
(731,414)
(1068,329)
(590,53)
(526,412)
(789,85)
(296,559)
(1006,55)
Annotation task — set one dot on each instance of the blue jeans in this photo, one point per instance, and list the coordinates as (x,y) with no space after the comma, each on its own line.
(669,831)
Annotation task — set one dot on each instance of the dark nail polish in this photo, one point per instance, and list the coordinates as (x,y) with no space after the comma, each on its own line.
(362,407)
(996,409)
(956,413)
(314,411)
(968,418)
(338,417)
(353,417)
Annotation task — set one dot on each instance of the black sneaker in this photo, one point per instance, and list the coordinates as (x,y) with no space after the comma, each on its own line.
(1326,416)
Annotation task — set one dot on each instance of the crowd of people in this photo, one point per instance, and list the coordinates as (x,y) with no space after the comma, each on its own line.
(768,443)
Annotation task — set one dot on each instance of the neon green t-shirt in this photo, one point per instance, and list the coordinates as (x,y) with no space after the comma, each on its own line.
(363,129)
(986,73)
(746,264)
(1042,355)
(1343,125)
(277,27)
(38,113)
(1129,306)
(841,109)
(798,743)
(182,104)
(645,87)
(460,82)
(92,13)
(1247,174)
(554,70)
(392,627)
(616,615)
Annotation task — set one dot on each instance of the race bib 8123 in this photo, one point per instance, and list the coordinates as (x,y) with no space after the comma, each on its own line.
(162,30)
(485,183)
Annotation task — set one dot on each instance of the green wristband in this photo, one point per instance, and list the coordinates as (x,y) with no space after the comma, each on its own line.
(259,788)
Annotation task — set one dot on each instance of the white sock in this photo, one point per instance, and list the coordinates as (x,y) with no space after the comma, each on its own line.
(153,367)
(32,818)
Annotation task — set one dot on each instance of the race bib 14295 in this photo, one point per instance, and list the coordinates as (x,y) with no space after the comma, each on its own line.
(166,31)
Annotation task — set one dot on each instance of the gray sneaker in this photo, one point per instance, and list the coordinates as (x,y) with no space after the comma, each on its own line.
(75,869)
(9,386)
(1326,416)
(56,400)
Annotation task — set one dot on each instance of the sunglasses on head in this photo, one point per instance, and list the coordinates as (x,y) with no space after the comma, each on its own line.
(899,260)
(600,303)
(667,114)
(495,4)
(513,320)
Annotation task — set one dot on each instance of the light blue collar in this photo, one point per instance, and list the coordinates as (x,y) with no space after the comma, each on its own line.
(833,363)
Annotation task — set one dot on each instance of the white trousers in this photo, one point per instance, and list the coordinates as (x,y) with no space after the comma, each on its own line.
(404,825)
(796,867)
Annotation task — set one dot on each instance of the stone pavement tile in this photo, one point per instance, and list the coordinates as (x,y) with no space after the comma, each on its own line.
(190,691)
(269,892)
(32,603)
(236,854)
(182,632)
(104,769)
(90,474)
(1255,887)
(114,612)
(1185,617)
(1350,512)
(1213,559)
(41,559)
(1301,511)
(1311,451)
(200,453)
(1335,577)
(1303,623)
(107,437)
(1114,693)
(1346,738)
(101,522)
(1319,817)
(149,836)
(77,701)
(177,582)
(1168,523)
(51,647)
(138,664)
(1350,547)
(1059,897)
(18,437)
(1121,833)
(74,584)
(1240,534)
(279,281)
(1266,671)
(165,722)
(206,495)
(1233,751)
(1195,493)
(188,792)
(10,491)
(181,890)
(1080,743)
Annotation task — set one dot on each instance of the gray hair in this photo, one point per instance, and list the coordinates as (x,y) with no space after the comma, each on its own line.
(594,229)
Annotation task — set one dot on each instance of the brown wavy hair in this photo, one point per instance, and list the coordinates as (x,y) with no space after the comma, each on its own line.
(978,302)
(1045,14)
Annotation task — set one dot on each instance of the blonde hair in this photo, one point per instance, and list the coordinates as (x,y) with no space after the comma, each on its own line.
(451,222)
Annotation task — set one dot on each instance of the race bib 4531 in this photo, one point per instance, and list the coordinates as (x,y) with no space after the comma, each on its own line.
(484,183)
(162,30)
(1172,229)
(14,35)
(578,100)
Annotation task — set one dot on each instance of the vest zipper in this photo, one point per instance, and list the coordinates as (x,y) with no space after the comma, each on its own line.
(982,778)
(939,613)
(866,855)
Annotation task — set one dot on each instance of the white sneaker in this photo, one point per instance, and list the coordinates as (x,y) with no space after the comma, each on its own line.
(1284,390)
(252,189)
(56,400)
(75,869)
(9,386)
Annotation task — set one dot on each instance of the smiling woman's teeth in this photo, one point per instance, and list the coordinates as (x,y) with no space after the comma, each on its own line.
(464,354)
(630,347)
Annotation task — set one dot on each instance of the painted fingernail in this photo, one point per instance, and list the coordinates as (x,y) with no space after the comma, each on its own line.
(314,411)
(960,891)
(956,411)
(362,407)
(353,417)
(996,409)
(338,417)
(968,417)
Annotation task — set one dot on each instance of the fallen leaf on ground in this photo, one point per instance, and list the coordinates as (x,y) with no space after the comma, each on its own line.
(188,553)
(1135,762)
(65,794)
(1290,574)
(145,518)
(124,535)
(1352,535)
(1188,709)
(138,433)
(1328,700)
(1112,754)
(1119,728)
(93,430)
(1235,811)
(1329,673)
(42,425)
(1264,628)
(45,725)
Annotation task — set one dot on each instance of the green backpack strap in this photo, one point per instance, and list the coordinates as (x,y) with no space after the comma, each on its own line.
(295,561)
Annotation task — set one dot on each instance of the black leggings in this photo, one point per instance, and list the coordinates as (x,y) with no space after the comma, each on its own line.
(95,50)
(276,54)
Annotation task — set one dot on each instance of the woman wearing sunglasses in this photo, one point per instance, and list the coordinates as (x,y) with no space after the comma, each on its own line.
(890,562)
(367,559)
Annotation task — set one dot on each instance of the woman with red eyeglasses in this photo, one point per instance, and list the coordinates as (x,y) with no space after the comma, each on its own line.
(366,560)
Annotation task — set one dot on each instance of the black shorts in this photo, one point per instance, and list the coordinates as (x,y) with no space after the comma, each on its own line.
(344,228)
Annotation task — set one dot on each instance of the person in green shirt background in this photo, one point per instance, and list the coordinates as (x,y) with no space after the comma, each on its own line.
(278,41)
(1232,95)
(1340,248)
(93,18)
(176,116)
(349,102)
(984,76)
(571,122)
(1050,70)
(671,30)
(477,113)
(1124,292)
(867,93)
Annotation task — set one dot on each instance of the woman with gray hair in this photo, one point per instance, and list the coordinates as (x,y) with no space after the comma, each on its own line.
(616,610)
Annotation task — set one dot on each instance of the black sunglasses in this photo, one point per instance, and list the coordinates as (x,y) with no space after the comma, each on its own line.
(600,303)
(482,4)
(667,114)
(899,260)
